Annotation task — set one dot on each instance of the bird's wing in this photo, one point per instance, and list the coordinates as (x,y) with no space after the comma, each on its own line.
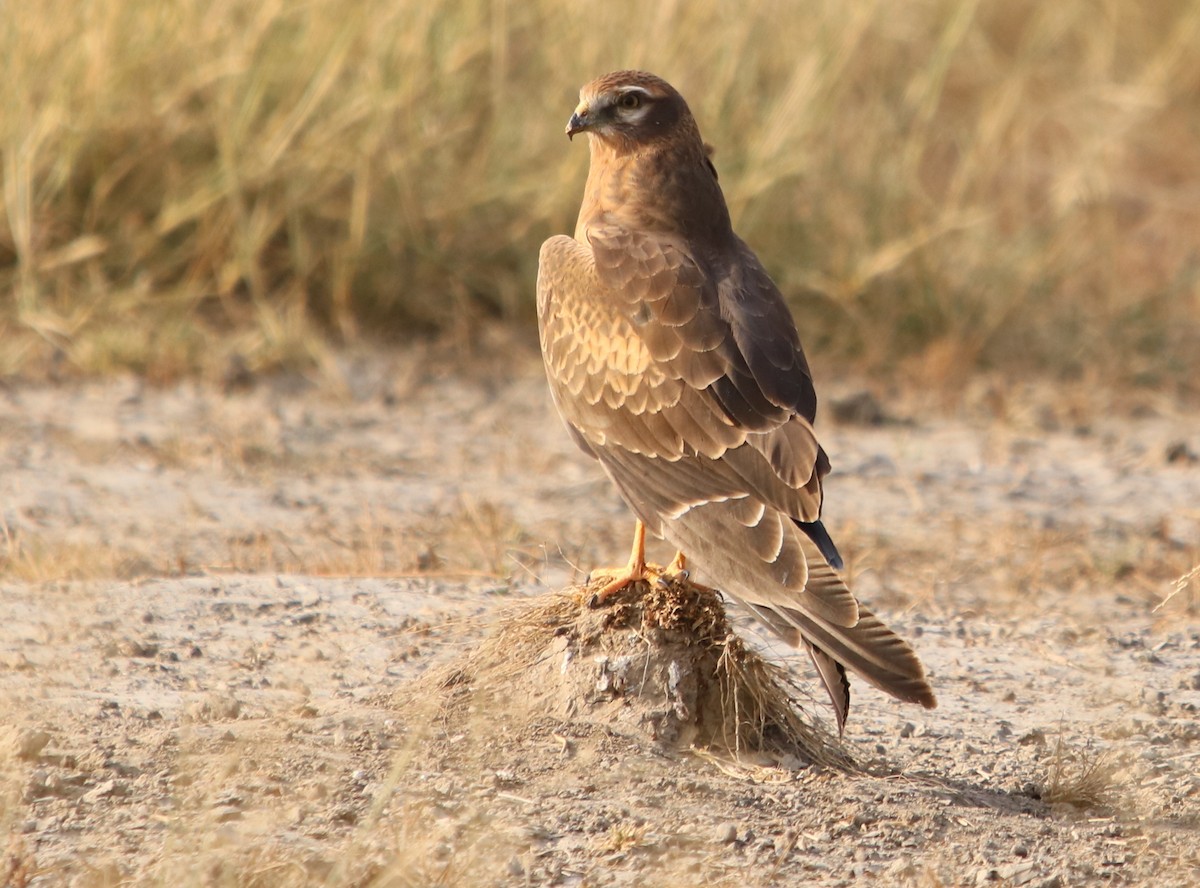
(645,351)
(692,391)
(647,355)
(629,353)
(643,356)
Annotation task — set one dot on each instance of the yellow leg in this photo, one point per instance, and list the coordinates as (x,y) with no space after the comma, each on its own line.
(619,578)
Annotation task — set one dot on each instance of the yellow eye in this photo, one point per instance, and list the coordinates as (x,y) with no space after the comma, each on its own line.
(630,100)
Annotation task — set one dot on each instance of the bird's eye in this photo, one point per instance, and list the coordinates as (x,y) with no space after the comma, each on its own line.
(630,100)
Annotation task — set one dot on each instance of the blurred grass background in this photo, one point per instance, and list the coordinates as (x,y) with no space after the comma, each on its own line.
(939,187)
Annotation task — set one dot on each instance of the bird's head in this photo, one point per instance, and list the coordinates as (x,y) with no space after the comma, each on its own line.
(630,109)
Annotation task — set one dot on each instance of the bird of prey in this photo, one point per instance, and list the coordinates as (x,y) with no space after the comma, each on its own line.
(675,363)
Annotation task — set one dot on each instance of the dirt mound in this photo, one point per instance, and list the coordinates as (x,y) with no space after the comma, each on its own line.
(660,662)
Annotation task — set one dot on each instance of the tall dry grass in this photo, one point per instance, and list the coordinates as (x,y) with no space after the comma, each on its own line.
(939,186)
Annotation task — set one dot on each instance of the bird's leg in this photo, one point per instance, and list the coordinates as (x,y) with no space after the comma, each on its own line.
(678,565)
(621,577)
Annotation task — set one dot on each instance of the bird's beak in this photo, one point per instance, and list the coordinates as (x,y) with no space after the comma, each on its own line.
(579,121)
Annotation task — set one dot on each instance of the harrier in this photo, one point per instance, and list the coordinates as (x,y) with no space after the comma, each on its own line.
(675,363)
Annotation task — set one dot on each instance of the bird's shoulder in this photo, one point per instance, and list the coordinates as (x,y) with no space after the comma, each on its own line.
(622,263)
(561,261)
(557,249)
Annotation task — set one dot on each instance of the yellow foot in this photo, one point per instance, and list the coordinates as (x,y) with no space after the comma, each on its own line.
(617,579)
(637,570)
(677,571)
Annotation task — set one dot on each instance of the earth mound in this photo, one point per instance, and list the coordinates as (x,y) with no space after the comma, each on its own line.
(658,662)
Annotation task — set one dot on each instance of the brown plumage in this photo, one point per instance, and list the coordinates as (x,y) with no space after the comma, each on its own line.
(675,362)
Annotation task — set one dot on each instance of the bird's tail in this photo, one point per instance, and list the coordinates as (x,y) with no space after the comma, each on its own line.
(868,647)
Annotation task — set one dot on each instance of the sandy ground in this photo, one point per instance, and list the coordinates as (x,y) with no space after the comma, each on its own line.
(218,606)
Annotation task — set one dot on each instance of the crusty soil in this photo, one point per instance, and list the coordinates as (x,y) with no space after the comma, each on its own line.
(222,613)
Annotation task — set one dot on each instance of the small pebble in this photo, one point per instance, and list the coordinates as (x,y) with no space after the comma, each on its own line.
(1178,452)
(101,791)
(726,834)
(214,707)
(27,744)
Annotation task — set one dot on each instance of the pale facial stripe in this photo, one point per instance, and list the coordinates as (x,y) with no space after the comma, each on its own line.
(636,114)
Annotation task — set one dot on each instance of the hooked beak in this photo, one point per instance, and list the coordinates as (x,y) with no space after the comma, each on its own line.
(579,121)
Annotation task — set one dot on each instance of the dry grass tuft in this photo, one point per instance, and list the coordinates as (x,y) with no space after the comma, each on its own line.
(1082,778)
(623,837)
(974,183)
(29,558)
